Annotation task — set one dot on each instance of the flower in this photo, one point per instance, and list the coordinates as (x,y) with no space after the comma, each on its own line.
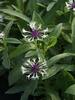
(70,5)
(35,32)
(33,68)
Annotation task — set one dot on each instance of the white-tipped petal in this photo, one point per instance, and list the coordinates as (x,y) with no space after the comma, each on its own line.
(32,25)
(73,9)
(40,26)
(29,61)
(23,69)
(70,1)
(42,73)
(68,5)
(28,76)
(25,31)
(35,76)
(44,36)
(45,30)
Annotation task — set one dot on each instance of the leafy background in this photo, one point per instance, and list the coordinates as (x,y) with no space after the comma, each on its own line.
(58,48)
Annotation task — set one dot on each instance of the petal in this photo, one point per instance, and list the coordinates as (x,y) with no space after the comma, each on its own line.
(44,36)
(23,69)
(29,76)
(73,9)
(24,31)
(40,26)
(70,1)
(68,5)
(46,30)
(35,76)
(32,25)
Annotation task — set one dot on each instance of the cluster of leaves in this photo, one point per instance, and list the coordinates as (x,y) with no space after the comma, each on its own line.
(58,49)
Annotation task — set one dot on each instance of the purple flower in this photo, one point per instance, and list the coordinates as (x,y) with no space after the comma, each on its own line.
(70,5)
(36,32)
(34,68)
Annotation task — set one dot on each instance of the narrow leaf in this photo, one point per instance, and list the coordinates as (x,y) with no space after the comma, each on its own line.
(58,57)
(73,34)
(14,75)
(71,90)
(16,14)
(50,6)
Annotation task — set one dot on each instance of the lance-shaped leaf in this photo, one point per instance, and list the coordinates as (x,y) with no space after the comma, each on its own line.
(20,4)
(13,41)
(58,67)
(50,5)
(14,75)
(6,59)
(58,57)
(16,14)
(37,18)
(71,89)
(19,50)
(29,89)
(73,34)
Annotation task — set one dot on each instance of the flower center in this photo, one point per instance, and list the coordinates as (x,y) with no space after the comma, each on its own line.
(73,5)
(35,67)
(35,33)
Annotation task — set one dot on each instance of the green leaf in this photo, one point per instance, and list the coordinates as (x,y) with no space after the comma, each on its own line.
(50,5)
(66,37)
(37,18)
(50,42)
(73,35)
(29,90)
(41,5)
(14,75)
(54,96)
(16,89)
(58,57)
(30,53)
(16,14)
(7,28)
(19,50)
(1,49)
(71,89)
(52,71)
(13,41)
(58,67)
(50,18)
(66,79)
(31,6)
(6,60)
(20,4)
(57,30)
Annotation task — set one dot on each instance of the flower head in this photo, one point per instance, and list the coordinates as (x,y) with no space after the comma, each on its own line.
(36,32)
(34,68)
(70,5)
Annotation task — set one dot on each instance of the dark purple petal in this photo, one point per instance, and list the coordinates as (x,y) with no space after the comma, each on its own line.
(73,5)
(35,68)
(36,33)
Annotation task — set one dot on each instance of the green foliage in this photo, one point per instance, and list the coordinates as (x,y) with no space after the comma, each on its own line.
(56,49)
